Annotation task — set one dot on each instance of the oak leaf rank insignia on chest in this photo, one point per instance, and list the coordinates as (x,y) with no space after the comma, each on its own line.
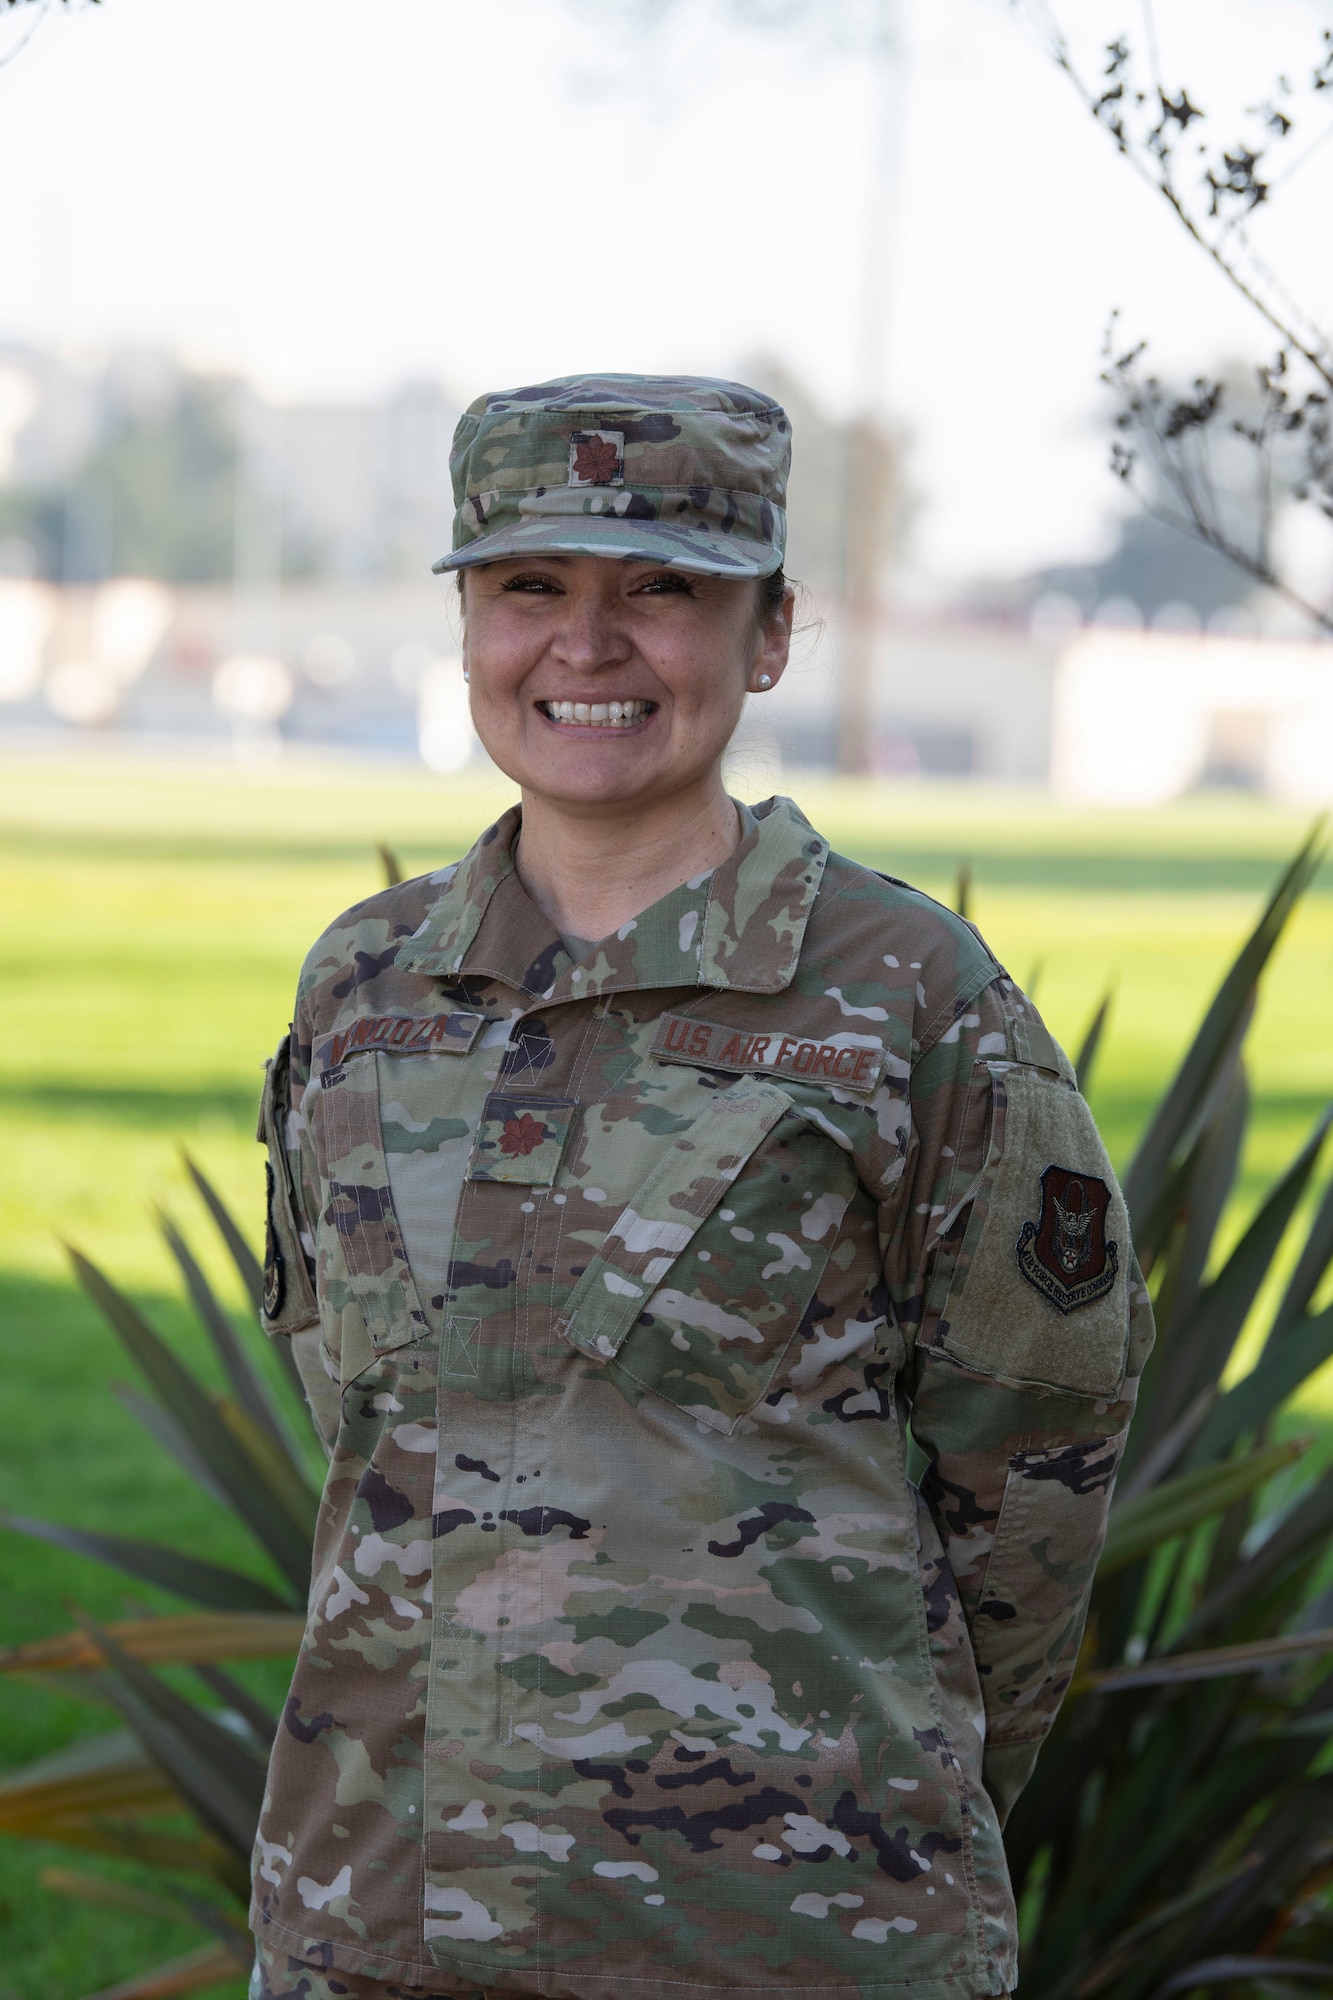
(521,1139)
(1066,1254)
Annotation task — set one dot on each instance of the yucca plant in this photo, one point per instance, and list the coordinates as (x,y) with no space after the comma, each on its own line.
(179,1786)
(1178,1835)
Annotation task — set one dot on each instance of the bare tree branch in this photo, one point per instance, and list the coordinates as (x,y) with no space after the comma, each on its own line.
(1168,445)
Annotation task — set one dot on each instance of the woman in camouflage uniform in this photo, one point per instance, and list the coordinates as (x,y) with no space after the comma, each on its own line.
(635,1181)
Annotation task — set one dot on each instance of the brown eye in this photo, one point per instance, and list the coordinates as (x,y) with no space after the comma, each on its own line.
(669,582)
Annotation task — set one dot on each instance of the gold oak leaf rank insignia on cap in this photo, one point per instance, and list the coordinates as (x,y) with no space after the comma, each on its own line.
(1065,1254)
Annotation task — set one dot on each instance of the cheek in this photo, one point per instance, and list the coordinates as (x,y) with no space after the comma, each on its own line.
(497,668)
(712,703)
(707,674)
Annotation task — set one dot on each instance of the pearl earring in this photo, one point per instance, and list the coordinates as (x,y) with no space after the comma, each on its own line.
(765,680)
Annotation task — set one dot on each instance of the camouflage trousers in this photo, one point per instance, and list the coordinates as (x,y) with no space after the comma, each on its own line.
(278,1976)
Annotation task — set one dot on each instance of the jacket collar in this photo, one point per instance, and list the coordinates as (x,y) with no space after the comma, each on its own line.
(739,928)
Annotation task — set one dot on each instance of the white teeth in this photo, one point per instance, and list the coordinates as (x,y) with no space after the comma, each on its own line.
(598,714)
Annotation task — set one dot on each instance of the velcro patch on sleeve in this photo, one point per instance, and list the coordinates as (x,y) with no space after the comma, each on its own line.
(400,1035)
(1039,1293)
(843,1062)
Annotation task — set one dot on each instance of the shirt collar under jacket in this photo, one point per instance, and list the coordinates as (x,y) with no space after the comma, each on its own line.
(739,927)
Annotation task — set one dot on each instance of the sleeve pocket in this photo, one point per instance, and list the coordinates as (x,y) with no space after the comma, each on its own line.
(289,1297)
(1039,1293)
(1029,1619)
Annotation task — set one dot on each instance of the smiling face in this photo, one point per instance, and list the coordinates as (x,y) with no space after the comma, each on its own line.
(598,683)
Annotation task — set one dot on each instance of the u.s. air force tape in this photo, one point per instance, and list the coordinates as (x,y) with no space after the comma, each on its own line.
(843,1062)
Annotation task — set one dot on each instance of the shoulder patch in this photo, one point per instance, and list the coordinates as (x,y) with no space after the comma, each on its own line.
(1066,1253)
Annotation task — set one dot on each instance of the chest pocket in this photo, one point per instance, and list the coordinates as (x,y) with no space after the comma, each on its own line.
(706,1274)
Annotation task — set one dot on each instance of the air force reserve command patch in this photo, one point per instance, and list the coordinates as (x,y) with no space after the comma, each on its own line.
(1066,1254)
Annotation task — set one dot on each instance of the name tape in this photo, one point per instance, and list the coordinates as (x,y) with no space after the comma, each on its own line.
(681,1038)
(401,1035)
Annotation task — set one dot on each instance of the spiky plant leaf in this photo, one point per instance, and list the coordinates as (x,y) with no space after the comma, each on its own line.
(282,1477)
(1173,1126)
(248,1268)
(1314,1260)
(164,1429)
(1201,1346)
(227,1927)
(247,1264)
(1279,1373)
(220,1779)
(247,1384)
(152,1562)
(237,1471)
(208,1966)
(101,1778)
(1092,1041)
(1144,1523)
(1236,1968)
(962,895)
(1215,1664)
(185,1640)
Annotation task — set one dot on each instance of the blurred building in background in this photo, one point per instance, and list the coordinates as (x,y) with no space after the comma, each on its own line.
(134,464)
(185,564)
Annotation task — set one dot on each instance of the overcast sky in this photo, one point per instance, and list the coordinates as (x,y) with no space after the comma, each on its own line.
(335,195)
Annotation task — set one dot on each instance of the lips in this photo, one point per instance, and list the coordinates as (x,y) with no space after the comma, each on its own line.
(598,714)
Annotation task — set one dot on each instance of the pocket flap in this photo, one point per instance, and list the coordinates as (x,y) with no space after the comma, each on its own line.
(665,1212)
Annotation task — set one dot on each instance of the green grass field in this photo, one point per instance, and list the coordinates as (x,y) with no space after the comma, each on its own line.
(154,918)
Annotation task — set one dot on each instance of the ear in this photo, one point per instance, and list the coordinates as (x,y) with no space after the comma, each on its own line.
(773,641)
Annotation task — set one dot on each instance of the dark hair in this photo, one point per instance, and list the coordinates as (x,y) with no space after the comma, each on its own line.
(769,593)
(771,590)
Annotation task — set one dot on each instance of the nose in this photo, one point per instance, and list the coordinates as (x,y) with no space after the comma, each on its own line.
(588,635)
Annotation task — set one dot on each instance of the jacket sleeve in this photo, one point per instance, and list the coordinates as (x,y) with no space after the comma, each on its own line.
(1028,1324)
(290,1306)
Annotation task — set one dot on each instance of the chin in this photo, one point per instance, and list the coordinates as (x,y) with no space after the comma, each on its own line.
(587,774)
(607,788)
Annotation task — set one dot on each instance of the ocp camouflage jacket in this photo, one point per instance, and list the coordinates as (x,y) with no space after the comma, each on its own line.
(636,1660)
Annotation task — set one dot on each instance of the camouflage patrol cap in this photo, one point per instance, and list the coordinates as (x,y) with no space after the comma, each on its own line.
(675,469)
